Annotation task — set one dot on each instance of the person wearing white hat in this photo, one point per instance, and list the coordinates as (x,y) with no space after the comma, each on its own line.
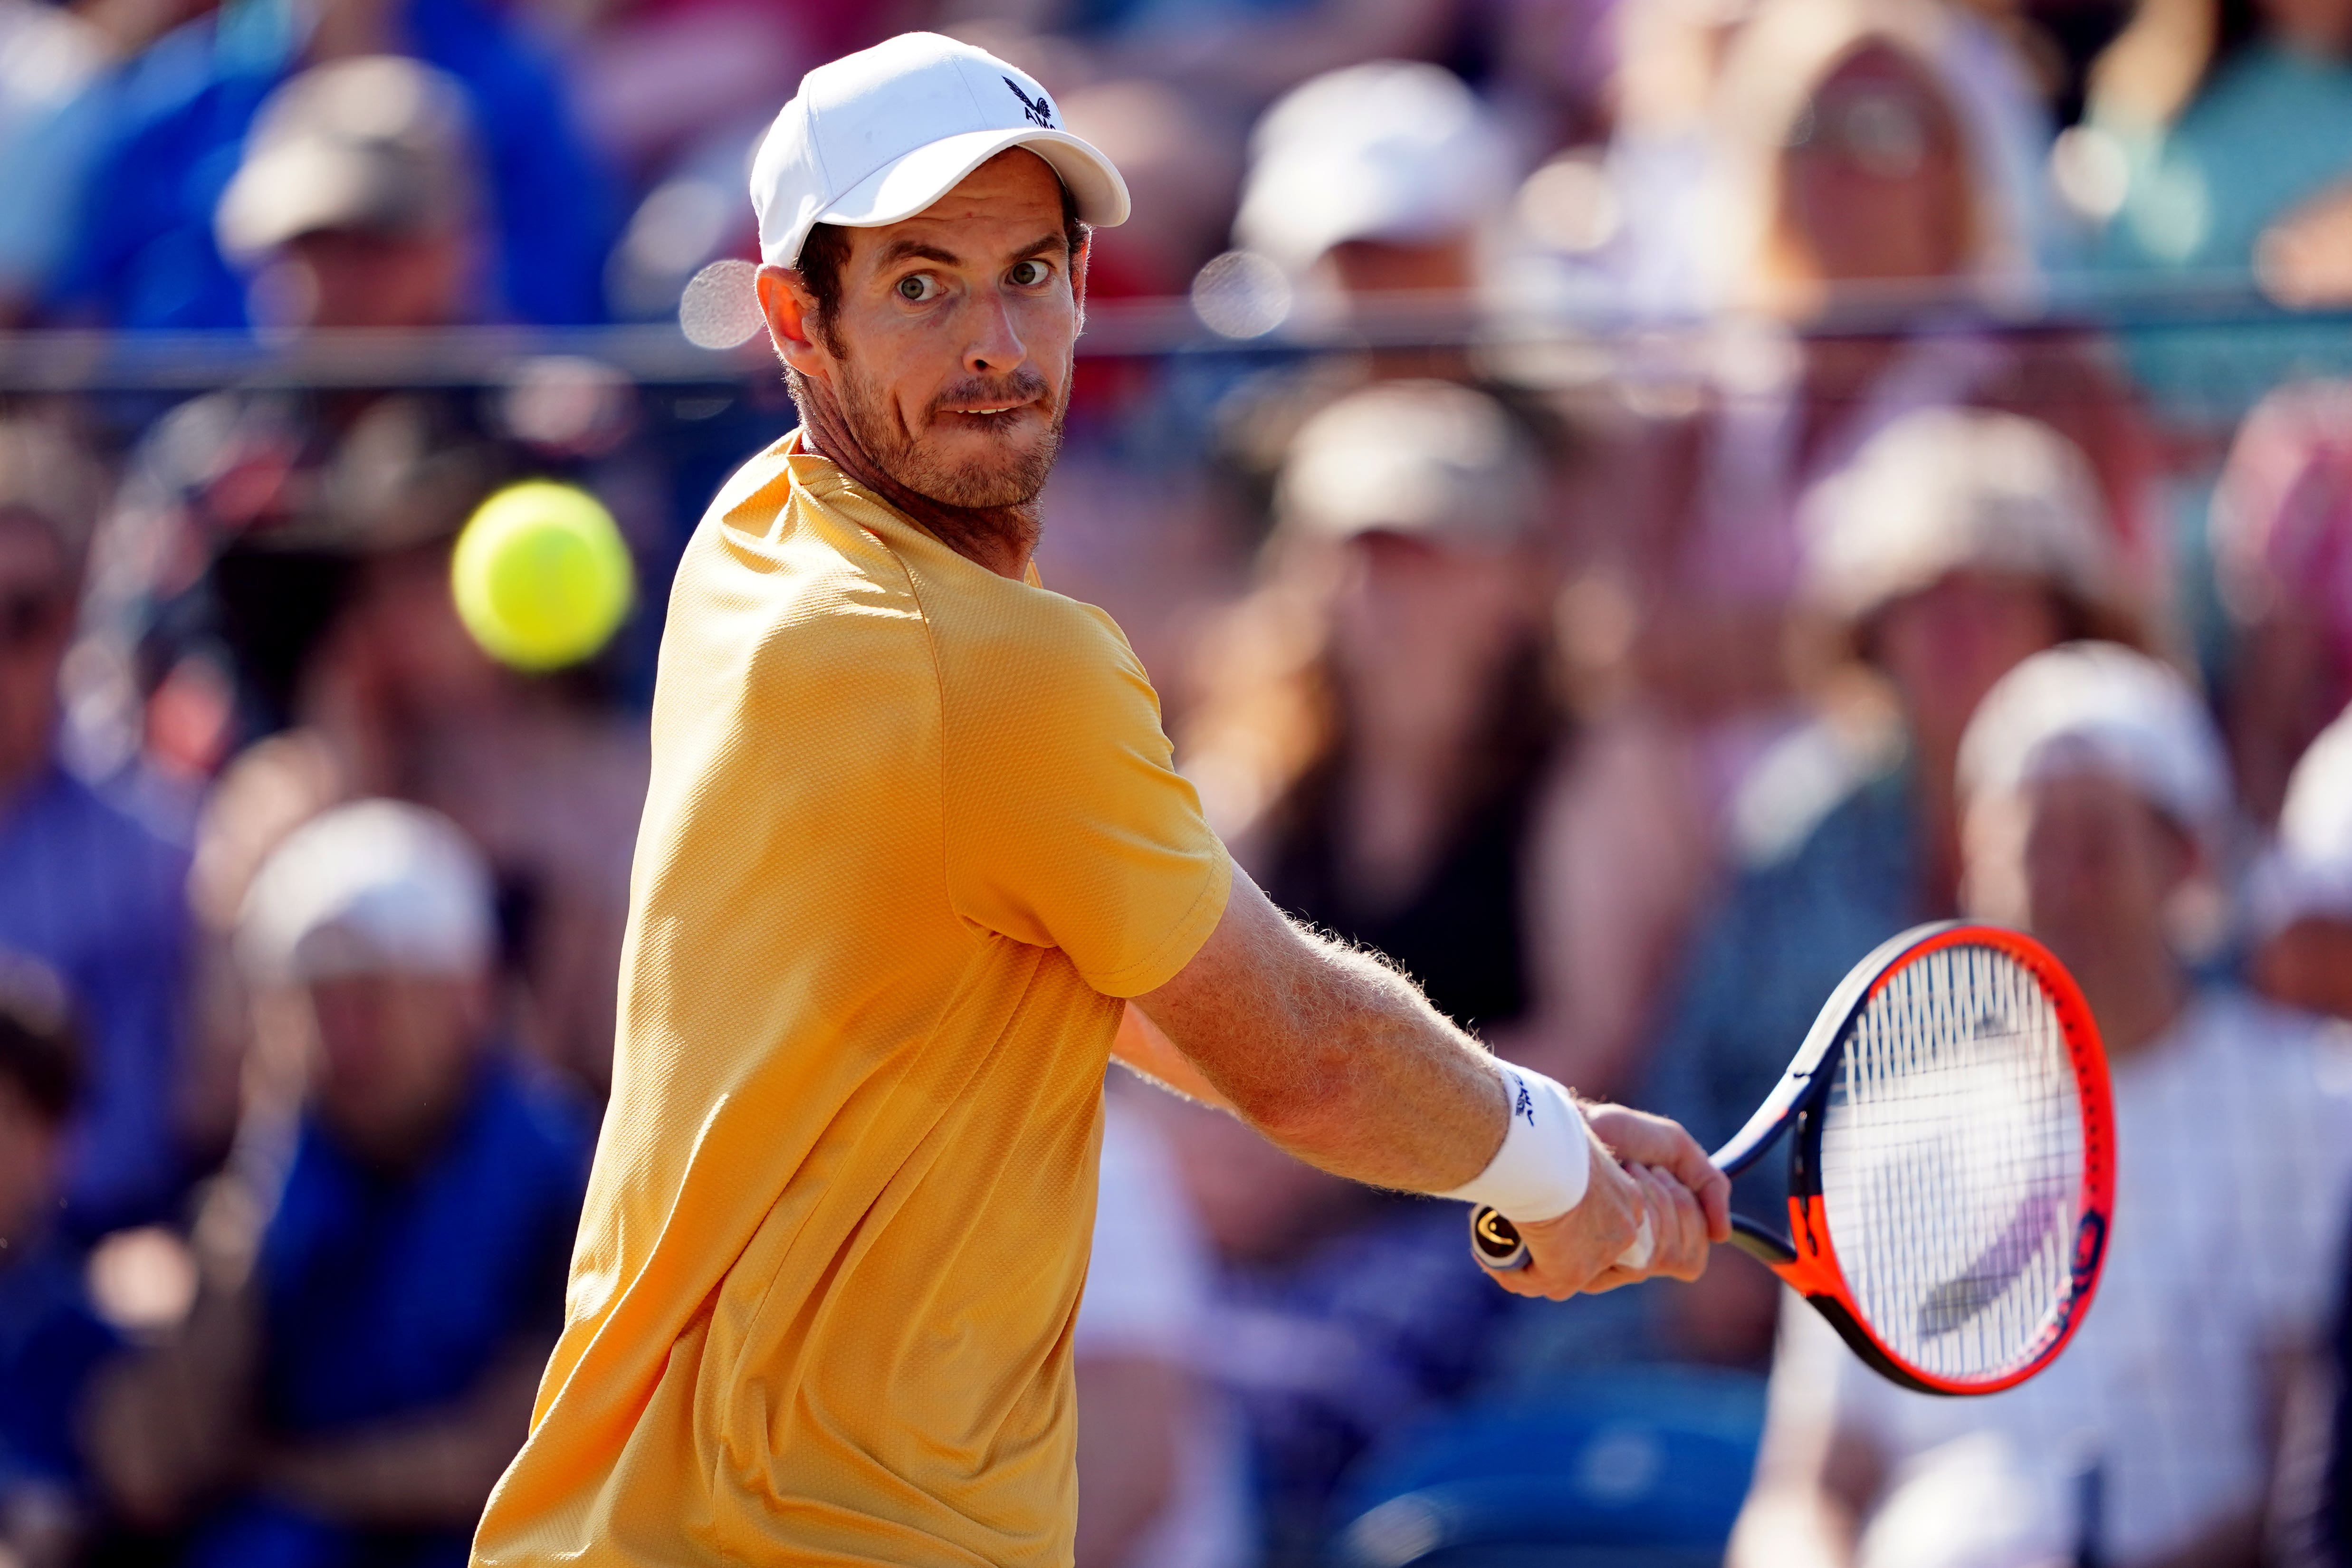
(913,838)
(383,1261)
(2095,785)
(2303,890)
(1398,159)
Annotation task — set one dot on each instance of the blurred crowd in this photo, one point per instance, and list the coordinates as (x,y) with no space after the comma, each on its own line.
(1657,496)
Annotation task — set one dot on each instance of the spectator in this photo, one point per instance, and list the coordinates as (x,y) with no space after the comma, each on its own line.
(85,886)
(51,1341)
(2303,894)
(145,252)
(1385,172)
(48,53)
(1159,1480)
(355,200)
(1375,742)
(2281,539)
(360,1364)
(1371,742)
(2235,117)
(2095,789)
(1957,545)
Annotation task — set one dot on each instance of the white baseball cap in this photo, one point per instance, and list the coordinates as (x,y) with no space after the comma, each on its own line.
(1429,458)
(373,885)
(875,137)
(2100,708)
(1946,490)
(1393,150)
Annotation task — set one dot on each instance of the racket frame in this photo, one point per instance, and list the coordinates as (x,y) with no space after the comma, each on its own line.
(1805,1258)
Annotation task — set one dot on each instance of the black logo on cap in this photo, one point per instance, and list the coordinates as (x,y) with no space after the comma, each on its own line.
(1040,109)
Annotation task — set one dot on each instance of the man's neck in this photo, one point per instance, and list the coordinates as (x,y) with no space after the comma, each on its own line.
(1001,539)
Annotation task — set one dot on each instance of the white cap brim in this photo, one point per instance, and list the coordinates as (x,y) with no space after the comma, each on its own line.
(909,184)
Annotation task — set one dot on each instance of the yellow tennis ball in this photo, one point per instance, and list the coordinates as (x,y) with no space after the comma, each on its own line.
(540,575)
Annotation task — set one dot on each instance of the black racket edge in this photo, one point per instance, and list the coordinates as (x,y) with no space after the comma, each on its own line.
(1496,1242)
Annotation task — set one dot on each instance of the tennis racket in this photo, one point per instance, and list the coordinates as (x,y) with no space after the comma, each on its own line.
(1951,1162)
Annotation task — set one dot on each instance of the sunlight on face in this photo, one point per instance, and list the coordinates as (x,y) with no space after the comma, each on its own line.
(956,332)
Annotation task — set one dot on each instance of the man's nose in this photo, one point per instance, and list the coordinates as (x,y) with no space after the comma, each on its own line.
(993,348)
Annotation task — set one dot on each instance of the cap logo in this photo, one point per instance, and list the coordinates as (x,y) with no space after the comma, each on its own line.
(1040,109)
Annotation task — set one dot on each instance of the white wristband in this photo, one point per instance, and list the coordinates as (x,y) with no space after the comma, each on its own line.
(1545,1160)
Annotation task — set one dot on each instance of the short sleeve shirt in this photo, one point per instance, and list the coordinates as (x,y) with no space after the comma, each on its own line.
(913,830)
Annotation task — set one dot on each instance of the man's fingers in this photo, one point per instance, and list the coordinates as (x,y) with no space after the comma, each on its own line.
(1685,1258)
(1641,1139)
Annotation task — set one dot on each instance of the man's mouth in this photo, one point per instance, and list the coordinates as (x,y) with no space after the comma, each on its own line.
(986,410)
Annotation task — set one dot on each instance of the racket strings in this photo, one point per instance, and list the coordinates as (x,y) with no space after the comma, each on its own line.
(1951,1162)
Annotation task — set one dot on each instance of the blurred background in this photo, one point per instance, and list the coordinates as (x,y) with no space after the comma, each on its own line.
(1574,469)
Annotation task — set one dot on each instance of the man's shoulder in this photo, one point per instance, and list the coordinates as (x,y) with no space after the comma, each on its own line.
(776,561)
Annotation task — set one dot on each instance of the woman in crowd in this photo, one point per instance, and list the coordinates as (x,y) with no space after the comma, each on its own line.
(1370,742)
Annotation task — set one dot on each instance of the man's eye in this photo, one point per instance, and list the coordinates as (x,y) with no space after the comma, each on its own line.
(1028,274)
(917,286)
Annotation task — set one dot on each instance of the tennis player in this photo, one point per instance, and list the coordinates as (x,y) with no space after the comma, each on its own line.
(914,862)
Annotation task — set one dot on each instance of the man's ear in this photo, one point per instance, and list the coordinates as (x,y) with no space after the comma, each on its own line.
(1078,260)
(790,309)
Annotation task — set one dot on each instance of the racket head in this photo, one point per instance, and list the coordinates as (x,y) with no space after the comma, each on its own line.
(1952,1164)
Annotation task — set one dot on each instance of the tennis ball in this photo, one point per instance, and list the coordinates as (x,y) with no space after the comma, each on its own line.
(540,575)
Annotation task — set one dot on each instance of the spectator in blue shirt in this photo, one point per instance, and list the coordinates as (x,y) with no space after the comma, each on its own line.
(49,1340)
(145,252)
(86,886)
(361,1361)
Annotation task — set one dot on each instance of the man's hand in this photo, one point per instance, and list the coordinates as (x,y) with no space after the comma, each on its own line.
(1643,1168)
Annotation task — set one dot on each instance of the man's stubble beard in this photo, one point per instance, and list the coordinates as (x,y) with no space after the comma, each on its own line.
(977,512)
(902,455)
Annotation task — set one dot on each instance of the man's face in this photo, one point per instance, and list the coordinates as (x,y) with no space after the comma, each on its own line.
(347,279)
(2080,860)
(37,603)
(395,1053)
(949,356)
(1947,645)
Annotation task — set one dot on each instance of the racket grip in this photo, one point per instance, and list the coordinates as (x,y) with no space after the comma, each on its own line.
(1496,1244)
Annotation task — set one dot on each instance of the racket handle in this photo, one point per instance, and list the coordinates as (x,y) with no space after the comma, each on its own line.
(1496,1244)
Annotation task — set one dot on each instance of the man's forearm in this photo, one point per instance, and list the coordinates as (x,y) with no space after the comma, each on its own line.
(1332,1055)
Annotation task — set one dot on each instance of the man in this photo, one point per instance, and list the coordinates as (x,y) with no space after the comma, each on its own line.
(382,1276)
(912,839)
(356,202)
(170,126)
(50,1340)
(85,886)
(2096,786)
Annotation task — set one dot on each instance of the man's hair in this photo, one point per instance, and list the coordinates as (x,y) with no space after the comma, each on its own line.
(40,1048)
(828,246)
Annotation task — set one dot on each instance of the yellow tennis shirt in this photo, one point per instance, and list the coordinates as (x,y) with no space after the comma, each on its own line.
(912,830)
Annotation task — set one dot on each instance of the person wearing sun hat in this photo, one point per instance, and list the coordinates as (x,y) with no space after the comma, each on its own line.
(914,838)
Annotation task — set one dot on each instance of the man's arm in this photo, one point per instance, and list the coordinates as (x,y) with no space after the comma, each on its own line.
(1343,1063)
